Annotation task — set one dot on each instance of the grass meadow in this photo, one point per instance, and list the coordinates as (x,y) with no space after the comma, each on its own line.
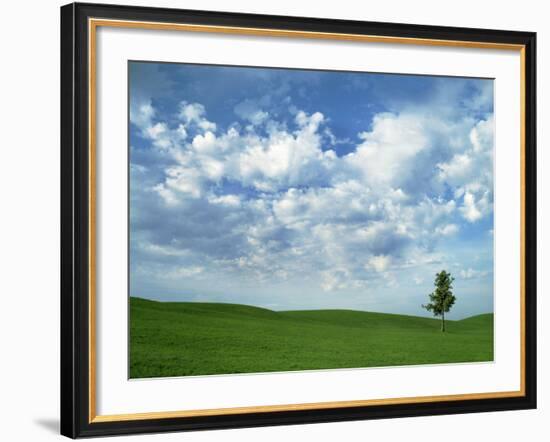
(190,338)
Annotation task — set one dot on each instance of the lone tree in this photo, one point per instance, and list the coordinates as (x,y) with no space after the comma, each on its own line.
(442,298)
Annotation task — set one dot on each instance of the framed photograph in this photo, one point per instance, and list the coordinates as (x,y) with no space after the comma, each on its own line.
(274,220)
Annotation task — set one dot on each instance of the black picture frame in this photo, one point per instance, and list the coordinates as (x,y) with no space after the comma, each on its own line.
(75,220)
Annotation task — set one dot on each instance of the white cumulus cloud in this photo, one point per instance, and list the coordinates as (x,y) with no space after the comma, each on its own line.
(278,203)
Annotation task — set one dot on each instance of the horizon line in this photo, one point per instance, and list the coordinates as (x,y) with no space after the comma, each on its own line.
(305,309)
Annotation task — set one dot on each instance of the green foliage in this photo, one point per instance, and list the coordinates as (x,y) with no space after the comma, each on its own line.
(442,298)
(186,338)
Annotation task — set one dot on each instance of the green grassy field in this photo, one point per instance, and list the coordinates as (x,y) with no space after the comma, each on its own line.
(188,338)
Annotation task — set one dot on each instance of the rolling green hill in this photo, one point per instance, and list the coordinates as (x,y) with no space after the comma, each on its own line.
(189,338)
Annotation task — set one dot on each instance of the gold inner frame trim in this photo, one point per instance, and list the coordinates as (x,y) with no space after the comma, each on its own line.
(93,24)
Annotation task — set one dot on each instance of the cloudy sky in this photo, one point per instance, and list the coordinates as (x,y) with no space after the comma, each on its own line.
(294,189)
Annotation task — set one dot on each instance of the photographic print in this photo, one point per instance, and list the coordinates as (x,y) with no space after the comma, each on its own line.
(288,219)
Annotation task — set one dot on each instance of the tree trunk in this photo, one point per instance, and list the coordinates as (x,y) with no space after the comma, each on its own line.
(443,322)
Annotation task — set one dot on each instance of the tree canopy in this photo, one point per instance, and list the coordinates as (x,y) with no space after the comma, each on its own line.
(442,298)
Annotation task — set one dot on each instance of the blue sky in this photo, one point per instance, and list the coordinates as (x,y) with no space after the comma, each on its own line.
(296,189)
